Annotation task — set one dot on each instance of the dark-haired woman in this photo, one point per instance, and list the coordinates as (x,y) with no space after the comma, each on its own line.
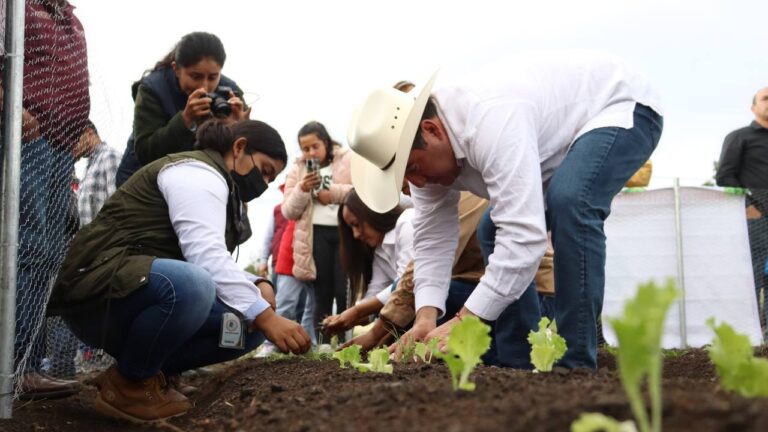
(311,199)
(377,251)
(172,101)
(152,281)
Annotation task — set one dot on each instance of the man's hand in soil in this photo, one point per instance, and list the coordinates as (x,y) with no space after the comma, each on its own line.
(287,335)
(375,337)
(442,332)
(425,322)
(267,293)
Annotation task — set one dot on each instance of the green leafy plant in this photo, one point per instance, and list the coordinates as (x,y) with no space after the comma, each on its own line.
(378,360)
(426,351)
(467,342)
(349,355)
(739,370)
(593,422)
(639,332)
(547,346)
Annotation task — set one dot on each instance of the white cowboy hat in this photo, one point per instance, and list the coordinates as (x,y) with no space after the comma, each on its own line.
(381,134)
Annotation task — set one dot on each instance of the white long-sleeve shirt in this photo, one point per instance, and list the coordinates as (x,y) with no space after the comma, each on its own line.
(391,257)
(510,126)
(197,204)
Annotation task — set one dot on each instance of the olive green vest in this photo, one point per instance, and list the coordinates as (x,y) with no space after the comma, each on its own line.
(111,257)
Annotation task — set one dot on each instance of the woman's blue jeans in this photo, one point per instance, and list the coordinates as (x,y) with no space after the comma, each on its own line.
(171,324)
(578,201)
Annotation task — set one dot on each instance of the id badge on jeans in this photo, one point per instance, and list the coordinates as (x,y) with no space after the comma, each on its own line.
(232,331)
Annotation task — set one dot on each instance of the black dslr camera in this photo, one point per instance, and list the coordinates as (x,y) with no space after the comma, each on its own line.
(219,102)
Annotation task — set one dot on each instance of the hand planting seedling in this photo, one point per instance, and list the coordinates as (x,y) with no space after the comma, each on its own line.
(468,341)
(547,346)
(739,370)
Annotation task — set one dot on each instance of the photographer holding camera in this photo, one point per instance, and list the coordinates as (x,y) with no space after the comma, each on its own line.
(183,90)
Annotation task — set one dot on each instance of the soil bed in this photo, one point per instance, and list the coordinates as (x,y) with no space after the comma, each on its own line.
(300,395)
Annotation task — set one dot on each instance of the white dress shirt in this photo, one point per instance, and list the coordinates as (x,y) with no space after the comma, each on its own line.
(391,257)
(197,197)
(510,127)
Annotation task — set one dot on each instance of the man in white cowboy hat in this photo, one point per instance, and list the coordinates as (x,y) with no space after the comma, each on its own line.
(549,138)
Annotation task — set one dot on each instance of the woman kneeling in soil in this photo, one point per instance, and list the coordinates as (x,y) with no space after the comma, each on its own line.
(377,251)
(152,281)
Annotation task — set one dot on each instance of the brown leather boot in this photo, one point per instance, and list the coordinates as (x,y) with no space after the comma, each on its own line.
(142,401)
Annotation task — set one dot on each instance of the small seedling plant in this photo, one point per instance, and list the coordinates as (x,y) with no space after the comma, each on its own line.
(468,341)
(739,370)
(639,356)
(547,347)
(426,352)
(378,359)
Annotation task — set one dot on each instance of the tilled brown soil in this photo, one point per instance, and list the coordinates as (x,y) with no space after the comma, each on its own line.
(299,395)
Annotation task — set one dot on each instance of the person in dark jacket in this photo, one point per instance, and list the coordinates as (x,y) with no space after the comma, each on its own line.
(152,281)
(175,97)
(744,164)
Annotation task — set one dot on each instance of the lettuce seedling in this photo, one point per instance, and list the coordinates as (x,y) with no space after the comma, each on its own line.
(467,342)
(739,370)
(595,422)
(426,351)
(378,359)
(547,346)
(350,354)
(639,333)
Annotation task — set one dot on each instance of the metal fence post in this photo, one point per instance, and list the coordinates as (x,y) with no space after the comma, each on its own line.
(9,215)
(680,267)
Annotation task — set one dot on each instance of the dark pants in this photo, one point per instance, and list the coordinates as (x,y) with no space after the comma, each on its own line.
(331,281)
(758,245)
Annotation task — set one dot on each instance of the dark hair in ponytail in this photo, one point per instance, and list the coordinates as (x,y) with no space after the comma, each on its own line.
(219,135)
(192,48)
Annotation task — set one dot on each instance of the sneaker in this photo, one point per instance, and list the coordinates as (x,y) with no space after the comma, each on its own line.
(266,350)
(36,386)
(144,401)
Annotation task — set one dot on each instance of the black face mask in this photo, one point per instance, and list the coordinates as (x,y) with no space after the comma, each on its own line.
(251,185)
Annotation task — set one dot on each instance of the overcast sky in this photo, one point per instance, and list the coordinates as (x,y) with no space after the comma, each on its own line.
(315,60)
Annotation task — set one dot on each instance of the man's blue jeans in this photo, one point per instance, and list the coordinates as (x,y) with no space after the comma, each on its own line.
(171,324)
(578,202)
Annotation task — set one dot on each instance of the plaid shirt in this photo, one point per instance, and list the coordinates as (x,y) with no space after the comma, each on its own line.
(98,182)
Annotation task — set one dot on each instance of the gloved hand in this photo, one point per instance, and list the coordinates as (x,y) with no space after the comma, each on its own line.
(736,191)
